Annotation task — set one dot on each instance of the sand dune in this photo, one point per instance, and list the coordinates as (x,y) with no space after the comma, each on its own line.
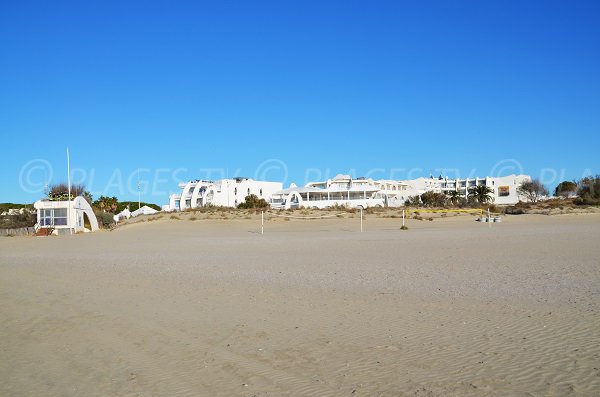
(310,308)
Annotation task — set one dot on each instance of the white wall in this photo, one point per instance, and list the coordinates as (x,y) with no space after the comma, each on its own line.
(499,185)
(75,218)
(226,193)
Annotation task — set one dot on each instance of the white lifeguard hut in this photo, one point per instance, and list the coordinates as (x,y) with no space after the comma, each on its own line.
(64,216)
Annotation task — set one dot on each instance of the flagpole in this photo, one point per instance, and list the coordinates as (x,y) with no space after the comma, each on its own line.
(69,185)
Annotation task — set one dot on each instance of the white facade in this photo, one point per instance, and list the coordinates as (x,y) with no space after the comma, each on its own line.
(504,188)
(342,190)
(64,215)
(224,192)
(361,192)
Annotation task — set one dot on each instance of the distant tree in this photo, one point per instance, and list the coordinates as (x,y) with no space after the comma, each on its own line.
(566,189)
(88,197)
(253,202)
(433,199)
(589,191)
(481,194)
(106,204)
(532,190)
(454,197)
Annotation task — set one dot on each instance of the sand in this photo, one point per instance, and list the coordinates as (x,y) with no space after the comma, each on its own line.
(310,308)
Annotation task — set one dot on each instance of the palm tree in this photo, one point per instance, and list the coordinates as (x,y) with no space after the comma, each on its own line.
(482,194)
(454,197)
(107,204)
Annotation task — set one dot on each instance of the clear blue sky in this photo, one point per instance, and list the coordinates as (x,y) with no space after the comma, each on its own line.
(389,89)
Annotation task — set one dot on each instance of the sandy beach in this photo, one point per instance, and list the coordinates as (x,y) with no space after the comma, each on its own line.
(310,308)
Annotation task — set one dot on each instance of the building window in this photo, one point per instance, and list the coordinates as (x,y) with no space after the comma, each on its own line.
(177,202)
(248,191)
(53,216)
(261,191)
(235,192)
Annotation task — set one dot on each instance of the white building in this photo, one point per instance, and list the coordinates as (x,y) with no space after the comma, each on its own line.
(64,215)
(224,192)
(144,210)
(126,213)
(342,190)
(504,189)
(361,192)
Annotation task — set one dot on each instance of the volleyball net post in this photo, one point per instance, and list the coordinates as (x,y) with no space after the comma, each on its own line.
(361,220)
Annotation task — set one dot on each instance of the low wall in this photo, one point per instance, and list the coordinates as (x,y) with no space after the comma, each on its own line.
(22,231)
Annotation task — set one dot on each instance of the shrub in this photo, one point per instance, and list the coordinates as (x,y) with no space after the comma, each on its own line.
(60,191)
(175,217)
(514,210)
(252,201)
(403,227)
(432,199)
(565,189)
(589,191)
(105,219)
(26,219)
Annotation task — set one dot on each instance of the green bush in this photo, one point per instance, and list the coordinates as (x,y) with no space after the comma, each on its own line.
(565,189)
(432,199)
(589,191)
(253,202)
(105,219)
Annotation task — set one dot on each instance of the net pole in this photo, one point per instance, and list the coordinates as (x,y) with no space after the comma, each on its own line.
(262,222)
(489,219)
(69,198)
(402,217)
(361,220)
